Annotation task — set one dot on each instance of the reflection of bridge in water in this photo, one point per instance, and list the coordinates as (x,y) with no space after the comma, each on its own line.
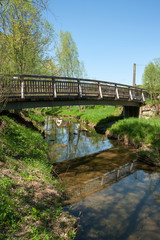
(84,180)
(97,184)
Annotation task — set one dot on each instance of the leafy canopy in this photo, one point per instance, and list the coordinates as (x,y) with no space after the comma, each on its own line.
(67,56)
(151,81)
(151,76)
(24,35)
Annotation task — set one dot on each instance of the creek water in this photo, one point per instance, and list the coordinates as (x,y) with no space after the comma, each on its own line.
(114,196)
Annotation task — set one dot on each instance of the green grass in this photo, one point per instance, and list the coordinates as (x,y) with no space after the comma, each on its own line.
(34,116)
(91,114)
(139,131)
(23,143)
(26,205)
(9,214)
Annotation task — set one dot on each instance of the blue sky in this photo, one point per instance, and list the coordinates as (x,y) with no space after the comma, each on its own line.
(110,35)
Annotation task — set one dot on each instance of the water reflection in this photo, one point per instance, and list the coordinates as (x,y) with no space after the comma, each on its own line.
(129,209)
(69,140)
(90,174)
(115,197)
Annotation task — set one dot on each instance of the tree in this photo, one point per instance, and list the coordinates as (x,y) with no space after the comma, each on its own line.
(151,81)
(24,35)
(68,58)
(48,67)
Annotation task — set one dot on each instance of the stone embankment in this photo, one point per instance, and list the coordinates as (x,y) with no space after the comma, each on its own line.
(147,111)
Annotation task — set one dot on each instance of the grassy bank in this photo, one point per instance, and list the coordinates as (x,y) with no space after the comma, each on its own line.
(139,132)
(30,198)
(34,115)
(89,114)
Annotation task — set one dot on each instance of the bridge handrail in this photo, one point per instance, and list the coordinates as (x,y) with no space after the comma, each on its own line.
(72,78)
(81,79)
(32,85)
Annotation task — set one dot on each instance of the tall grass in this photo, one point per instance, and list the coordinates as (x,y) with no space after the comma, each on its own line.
(139,131)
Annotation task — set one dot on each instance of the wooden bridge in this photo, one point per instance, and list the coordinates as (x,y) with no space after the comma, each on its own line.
(31,91)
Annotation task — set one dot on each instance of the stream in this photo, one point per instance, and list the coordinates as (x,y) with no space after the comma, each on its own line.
(114,196)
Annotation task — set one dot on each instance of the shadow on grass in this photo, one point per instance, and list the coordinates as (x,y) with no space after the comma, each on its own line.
(107,122)
(55,110)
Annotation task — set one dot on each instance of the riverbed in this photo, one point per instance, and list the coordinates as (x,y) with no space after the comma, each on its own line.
(114,196)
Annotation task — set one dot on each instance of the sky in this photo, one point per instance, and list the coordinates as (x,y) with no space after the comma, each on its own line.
(111,35)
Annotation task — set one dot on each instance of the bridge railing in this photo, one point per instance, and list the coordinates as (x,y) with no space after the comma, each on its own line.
(98,183)
(30,86)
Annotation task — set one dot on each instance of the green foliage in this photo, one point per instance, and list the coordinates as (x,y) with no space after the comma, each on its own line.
(26,173)
(34,116)
(23,144)
(25,36)
(149,101)
(151,81)
(139,131)
(91,114)
(68,58)
(48,67)
(19,142)
(9,214)
(151,76)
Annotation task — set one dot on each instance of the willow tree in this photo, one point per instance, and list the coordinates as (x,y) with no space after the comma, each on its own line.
(24,35)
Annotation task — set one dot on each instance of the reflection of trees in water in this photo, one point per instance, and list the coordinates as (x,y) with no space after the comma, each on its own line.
(153,178)
(154,186)
(75,143)
(75,139)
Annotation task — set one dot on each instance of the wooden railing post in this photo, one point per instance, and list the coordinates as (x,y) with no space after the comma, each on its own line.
(22,86)
(100,90)
(117,173)
(116,91)
(131,167)
(130,95)
(102,181)
(79,88)
(143,97)
(54,88)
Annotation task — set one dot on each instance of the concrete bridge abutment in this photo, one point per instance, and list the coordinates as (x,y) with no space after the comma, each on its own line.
(130,111)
